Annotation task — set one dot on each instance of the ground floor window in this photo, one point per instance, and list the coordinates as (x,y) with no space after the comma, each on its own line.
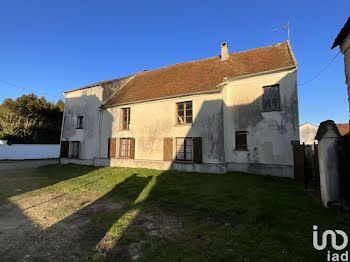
(184,148)
(241,140)
(75,149)
(124,147)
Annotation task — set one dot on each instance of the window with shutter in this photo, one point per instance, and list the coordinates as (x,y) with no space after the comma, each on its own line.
(241,140)
(184,148)
(75,149)
(271,98)
(127,147)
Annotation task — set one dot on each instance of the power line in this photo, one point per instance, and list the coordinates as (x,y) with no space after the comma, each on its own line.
(27,89)
(321,70)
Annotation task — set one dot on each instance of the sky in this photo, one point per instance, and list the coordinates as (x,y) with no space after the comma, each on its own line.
(51,46)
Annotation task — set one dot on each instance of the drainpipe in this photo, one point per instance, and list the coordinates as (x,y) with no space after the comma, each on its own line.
(99,135)
(63,116)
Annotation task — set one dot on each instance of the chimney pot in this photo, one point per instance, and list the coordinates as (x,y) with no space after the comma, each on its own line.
(224,51)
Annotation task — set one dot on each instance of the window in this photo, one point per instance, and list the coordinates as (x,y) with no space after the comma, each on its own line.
(124,148)
(271,98)
(126,118)
(75,149)
(241,140)
(184,112)
(184,148)
(80,121)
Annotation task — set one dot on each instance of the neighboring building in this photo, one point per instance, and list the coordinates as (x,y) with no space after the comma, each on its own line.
(343,40)
(333,158)
(237,111)
(307,133)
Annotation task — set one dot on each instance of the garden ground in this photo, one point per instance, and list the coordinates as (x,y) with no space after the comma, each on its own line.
(84,213)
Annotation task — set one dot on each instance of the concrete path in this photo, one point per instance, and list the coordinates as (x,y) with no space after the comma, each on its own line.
(26,163)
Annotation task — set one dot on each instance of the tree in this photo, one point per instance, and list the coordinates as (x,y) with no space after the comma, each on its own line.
(29,119)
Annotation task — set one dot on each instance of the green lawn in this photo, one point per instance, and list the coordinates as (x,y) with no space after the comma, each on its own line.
(122,214)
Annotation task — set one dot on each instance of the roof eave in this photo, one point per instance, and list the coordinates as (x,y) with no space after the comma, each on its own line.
(163,98)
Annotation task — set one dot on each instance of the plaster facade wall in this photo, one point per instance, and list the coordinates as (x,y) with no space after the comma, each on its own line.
(86,103)
(151,122)
(328,166)
(345,49)
(269,133)
(307,133)
(216,118)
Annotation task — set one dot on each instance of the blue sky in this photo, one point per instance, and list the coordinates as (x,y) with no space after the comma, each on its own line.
(52,46)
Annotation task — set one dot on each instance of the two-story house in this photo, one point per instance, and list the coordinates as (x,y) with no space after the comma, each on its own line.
(236,111)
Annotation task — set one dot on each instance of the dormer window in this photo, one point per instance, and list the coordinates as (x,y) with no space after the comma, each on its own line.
(184,112)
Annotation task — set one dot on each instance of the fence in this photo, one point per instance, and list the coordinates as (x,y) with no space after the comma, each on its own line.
(28,151)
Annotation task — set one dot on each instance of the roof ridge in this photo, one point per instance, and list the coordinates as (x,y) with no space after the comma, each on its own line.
(211,57)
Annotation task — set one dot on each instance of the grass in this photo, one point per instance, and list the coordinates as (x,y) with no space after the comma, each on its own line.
(189,216)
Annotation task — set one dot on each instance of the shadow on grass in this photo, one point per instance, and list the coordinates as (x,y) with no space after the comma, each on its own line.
(229,216)
(18,181)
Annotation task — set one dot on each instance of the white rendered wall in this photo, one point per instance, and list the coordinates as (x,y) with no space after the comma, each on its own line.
(27,151)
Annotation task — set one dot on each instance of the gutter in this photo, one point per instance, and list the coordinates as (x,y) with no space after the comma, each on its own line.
(99,135)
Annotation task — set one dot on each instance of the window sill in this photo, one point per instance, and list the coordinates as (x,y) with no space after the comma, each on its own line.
(275,110)
(183,161)
(239,149)
(79,128)
(124,130)
(184,124)
(123,157)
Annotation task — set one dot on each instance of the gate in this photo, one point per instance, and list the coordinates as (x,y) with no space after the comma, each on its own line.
(306,171)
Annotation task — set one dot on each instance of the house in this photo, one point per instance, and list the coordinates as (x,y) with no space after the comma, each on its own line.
(236,111)
(343,41)
(307,133)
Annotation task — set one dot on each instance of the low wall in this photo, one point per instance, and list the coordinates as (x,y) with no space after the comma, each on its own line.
(28,151)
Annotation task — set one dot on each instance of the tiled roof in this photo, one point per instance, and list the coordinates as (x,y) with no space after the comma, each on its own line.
(343,129)
(202,75)
(342,34)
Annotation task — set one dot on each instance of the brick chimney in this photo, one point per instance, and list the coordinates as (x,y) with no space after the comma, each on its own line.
(224,51)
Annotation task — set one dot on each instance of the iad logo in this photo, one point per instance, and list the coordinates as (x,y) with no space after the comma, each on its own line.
(333,237)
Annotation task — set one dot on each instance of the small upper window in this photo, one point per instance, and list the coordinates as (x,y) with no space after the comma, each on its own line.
(184,112)
(271,98)
(126,118)
(241,140)
(80,122)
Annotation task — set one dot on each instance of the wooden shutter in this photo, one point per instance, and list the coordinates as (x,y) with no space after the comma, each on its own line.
(64,149)
(112,147)
(132,148)
(197,150)
(168,149)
